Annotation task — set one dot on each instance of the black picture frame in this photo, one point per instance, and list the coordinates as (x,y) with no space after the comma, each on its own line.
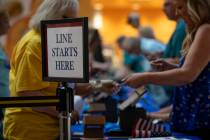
(83,22)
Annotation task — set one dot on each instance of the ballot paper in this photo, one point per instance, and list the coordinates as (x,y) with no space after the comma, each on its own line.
(100,85)
(138,93)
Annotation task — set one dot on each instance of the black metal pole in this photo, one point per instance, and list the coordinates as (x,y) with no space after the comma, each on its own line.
(65,108)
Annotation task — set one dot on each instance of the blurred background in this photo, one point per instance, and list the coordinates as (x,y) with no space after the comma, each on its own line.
(124,37)
(109,17)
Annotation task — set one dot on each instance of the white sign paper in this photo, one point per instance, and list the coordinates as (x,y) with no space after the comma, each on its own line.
(65,52)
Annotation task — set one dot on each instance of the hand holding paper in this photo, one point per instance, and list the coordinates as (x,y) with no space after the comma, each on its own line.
(135,80)
(108,86)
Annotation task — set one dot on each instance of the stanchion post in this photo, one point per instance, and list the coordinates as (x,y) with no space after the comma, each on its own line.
(65,109)
(71,66)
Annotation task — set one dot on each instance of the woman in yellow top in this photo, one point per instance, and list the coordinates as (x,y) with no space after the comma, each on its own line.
(26,78)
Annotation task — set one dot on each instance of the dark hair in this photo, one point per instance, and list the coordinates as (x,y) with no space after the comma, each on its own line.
(96,42)
(133,19)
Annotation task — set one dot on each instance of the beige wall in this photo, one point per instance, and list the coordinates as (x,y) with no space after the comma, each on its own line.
(114,21)
(86,9)
(114,24)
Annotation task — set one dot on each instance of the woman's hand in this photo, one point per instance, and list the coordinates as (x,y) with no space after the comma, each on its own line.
(83,89)
(110,86)
(135,80)
(162,65)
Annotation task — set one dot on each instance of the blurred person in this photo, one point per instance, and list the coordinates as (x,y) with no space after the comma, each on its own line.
(26,79)
(174,45)
(190,113)
(19,24)
(151,47)
(172,54)
(15,9)
(120,41)
(133,56)
(142,64)
(132,46)
(147,32)
(95,43)
(135,61)
(134,20)
(97,60)
(123,70)
(4,62)
(173,49)
(132,53)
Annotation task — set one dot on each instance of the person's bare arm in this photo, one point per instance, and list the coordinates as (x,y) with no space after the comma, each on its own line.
(162,114)
(83,89)
(163,65)
(51,111)
(166,109)
(196,60)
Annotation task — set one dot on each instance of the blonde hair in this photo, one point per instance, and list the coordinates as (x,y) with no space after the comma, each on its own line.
(51,9)
(199,11)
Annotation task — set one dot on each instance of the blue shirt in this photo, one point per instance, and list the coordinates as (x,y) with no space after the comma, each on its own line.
(151,46)
(191,108)
(4,74)
(137,63)
(174,45)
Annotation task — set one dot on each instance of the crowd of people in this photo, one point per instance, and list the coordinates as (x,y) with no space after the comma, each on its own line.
(176,74)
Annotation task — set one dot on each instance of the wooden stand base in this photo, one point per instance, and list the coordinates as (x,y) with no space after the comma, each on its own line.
(94,126)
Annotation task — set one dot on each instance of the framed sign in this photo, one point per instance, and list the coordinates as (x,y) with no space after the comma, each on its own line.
(65,50)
